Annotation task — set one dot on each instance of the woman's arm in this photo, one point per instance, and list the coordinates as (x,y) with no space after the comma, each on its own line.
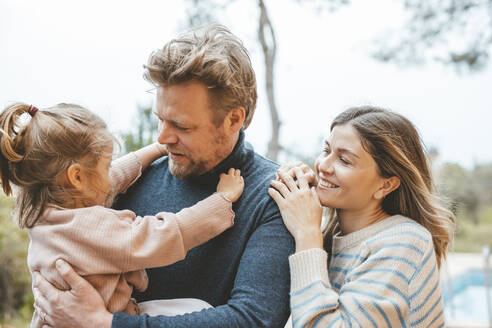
(387,288)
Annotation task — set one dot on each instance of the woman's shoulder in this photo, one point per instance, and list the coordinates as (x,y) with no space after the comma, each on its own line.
(400,232)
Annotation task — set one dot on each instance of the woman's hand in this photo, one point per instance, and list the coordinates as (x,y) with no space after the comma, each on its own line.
(300,207)
(290,169)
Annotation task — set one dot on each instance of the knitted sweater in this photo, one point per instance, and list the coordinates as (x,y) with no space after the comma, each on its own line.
(243,273)
(384,275)
(111,248)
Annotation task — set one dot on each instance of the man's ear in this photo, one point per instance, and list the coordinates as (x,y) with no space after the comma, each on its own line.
(74,176)
(234,119)
(388,186)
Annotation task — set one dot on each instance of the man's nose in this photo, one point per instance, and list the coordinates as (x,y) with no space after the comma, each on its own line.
(167,135)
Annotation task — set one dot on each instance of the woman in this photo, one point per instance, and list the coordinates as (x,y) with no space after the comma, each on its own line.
(386,233)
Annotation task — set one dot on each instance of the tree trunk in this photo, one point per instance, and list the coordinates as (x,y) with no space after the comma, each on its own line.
(265,29)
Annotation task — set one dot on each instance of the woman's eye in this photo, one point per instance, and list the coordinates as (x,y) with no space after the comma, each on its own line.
(326,150)
(344,161)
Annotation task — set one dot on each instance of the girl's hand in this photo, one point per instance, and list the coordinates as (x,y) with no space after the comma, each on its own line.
(231,185)
(300,208)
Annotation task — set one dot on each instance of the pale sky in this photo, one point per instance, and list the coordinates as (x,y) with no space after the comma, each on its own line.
(91,52)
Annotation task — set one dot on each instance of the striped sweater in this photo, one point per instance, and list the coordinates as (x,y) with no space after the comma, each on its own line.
(384,275)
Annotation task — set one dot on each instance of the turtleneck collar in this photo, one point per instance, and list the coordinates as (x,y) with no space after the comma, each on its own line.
(238,159)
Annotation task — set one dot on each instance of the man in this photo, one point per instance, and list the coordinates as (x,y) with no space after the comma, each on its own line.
(206,96)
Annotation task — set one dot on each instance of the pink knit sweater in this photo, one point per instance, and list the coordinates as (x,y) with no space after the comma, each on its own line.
(111,248)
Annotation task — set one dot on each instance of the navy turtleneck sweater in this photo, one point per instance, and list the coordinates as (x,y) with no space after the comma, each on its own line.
(243,273)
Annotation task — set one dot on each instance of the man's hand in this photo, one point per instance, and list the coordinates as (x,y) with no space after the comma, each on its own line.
(81,306)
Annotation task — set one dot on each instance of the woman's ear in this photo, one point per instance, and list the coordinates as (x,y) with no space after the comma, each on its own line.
(388,186)
(75,176)
(234,119)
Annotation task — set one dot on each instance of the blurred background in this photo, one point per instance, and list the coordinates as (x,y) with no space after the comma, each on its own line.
(426,59)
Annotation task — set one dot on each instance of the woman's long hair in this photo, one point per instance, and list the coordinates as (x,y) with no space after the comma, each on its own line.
(394,143)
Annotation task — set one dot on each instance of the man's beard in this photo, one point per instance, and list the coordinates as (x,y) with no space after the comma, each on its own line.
(193,168)
(198,167)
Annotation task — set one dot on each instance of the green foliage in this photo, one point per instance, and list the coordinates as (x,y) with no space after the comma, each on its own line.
(15,280)
(146,130)
(470,236)
(460,187)
(431,30)
(469,193)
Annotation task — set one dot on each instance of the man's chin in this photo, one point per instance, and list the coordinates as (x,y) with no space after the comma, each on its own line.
(182,171)
(179,171)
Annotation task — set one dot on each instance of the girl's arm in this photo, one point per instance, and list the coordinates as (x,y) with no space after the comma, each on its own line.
(128,168)
(150,153)
(104,241)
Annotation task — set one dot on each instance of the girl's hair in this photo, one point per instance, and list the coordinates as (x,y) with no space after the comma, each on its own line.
(35,156)
(394,143)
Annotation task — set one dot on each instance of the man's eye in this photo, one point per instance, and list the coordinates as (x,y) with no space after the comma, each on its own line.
(326,150)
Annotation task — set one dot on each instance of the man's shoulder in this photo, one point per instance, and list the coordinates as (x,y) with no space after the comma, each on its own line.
(265,162)
(262,167)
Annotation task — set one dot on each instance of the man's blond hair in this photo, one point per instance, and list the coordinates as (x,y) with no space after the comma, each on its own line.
(212,55)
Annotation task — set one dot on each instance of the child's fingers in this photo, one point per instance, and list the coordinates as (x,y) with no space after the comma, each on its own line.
(231,171)
(237,173)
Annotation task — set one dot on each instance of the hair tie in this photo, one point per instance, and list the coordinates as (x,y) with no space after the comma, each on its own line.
(32,110)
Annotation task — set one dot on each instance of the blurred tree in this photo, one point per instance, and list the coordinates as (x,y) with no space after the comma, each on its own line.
(146,130)
(202,11)
(15,280)
(455,32)
(459,186)
(482,177)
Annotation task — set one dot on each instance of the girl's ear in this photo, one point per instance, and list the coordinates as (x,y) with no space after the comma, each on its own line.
(74,176)
(388,186)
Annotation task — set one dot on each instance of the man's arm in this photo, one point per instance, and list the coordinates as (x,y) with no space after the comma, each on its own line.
(260,296)
(81,306)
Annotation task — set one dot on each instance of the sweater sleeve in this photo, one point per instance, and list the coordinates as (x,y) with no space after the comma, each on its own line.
(104,241)
(123,173)
(377,292)
(152,246)
(427,309)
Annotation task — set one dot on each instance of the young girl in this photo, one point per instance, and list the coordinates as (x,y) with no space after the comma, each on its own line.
(387,234)
(60,165)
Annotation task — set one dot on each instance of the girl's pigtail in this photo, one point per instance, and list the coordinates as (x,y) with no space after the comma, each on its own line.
(11,143)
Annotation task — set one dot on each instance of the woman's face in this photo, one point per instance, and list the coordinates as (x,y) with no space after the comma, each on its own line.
(348,176)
